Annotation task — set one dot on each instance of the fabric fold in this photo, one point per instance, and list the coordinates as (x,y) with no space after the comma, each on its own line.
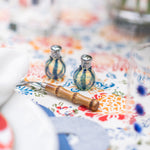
(14,65)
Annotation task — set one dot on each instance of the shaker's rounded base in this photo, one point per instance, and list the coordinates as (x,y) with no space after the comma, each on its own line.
(84,79)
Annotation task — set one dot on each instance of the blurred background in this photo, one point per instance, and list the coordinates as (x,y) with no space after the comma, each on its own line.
(112,19)
(40,17)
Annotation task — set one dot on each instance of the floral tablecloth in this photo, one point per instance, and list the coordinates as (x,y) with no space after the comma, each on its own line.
(85,31)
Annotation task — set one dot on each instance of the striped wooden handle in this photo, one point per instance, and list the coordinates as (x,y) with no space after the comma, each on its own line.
(76,98)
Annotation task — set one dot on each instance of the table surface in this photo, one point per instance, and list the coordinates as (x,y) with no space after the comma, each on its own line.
(85,31)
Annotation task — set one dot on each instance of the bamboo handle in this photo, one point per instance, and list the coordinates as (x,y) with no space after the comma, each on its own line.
(76,98)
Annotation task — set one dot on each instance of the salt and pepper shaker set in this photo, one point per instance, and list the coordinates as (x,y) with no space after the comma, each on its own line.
(84,79)
(84,76)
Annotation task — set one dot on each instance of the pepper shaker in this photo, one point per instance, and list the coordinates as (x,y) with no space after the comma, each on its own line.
(55,67)
(84,76)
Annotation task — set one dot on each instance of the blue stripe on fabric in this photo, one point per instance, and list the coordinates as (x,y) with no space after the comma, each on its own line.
(63,142)
(48,111)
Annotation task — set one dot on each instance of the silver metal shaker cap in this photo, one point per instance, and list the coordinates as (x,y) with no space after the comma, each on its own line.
(86,61)
(55,51)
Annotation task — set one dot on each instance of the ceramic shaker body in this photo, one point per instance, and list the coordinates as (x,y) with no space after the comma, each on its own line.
(55,67)
(84,76)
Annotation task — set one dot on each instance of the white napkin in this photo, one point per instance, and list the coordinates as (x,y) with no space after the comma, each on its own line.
(13,67)
(32,128)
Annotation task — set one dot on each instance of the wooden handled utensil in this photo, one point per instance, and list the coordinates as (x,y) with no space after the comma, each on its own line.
(74,97)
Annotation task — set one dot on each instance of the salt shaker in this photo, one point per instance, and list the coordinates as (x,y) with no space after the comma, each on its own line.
(55,67)
(84,76)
